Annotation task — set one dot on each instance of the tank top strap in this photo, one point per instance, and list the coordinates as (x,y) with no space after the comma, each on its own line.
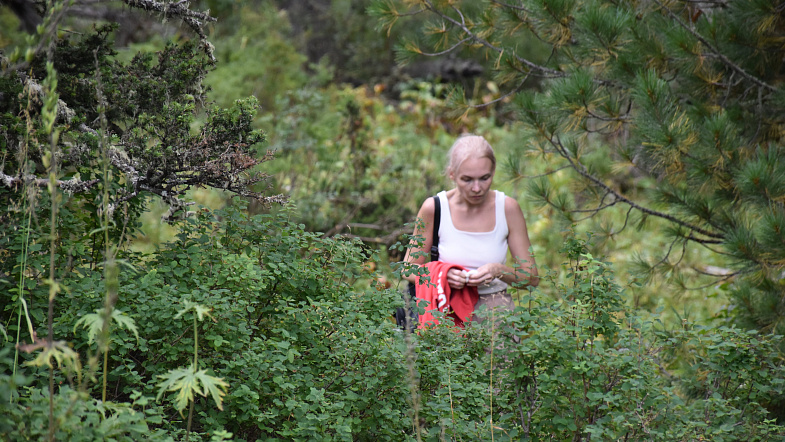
(445,221)
(501,217)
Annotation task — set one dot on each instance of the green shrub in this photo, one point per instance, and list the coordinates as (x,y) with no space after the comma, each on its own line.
(304,340)
(587,367)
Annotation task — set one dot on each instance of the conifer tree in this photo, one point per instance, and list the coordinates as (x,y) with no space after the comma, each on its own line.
(105,136)
(682,100)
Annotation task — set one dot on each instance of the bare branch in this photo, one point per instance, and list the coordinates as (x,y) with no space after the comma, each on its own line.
(626,221)
(71,186)
(720,279)
(194,19)
(387,239)
(505,96)
(446,51)
(667,254)
(175,206)
(36,91)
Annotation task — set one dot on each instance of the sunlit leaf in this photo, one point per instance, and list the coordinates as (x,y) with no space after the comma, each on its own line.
(216,386)
(94,323)
(64,355)
(200,310)
(187,382)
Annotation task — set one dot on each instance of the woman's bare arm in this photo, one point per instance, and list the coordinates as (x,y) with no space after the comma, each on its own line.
(519,244)
(414,254)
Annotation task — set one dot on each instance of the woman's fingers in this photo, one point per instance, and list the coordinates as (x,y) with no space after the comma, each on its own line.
(458,279)
(483,275)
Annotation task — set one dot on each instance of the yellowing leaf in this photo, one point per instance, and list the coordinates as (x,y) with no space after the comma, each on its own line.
(200,310)
(94,323)
(187,382)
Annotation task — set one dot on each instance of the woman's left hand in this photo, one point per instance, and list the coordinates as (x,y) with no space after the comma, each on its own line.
(483,275)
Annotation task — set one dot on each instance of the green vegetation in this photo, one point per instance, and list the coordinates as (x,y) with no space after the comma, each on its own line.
(669,112)
(129,313)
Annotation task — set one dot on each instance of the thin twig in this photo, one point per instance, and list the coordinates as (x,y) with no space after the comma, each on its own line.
(446,51)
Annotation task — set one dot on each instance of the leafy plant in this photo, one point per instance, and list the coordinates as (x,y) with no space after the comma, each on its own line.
(186,381)
(94,323)
(190,381)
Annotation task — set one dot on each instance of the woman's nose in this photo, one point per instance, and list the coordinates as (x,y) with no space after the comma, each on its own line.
(475,186)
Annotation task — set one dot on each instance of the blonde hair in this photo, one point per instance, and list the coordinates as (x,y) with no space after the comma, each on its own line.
(466,146)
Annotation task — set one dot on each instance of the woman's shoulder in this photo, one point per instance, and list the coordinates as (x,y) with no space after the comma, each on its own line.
(511,207)
(428,207)
(428,203)
(510,201)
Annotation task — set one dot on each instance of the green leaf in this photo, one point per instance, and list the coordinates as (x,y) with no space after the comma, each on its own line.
(61,352)
(200,310)
(186,382)
(216,386)
(94,323)
(183,381)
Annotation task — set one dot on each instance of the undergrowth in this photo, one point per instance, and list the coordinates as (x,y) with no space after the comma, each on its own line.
(291,323)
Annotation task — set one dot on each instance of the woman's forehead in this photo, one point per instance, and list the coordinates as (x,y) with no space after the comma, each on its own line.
(475,166)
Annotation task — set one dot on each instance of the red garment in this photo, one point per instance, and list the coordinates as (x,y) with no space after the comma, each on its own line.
(458,303)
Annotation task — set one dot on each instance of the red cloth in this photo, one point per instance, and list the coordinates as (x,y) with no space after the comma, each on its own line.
(459,304)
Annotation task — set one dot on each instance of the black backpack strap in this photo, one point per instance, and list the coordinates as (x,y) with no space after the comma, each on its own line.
(437,215)
(407,316)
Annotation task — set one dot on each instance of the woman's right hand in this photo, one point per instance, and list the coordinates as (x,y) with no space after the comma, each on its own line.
(456,278)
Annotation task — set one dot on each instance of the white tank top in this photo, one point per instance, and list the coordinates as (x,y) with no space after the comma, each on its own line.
(474,249)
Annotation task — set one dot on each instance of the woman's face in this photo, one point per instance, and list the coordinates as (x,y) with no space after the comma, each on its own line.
(473,179)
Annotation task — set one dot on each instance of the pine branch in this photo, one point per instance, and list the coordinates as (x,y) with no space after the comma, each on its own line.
(725,60)
(477,39)
(581,169)
(513,7)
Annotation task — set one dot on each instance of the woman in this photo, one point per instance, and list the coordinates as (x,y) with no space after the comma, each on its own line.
(478,225)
